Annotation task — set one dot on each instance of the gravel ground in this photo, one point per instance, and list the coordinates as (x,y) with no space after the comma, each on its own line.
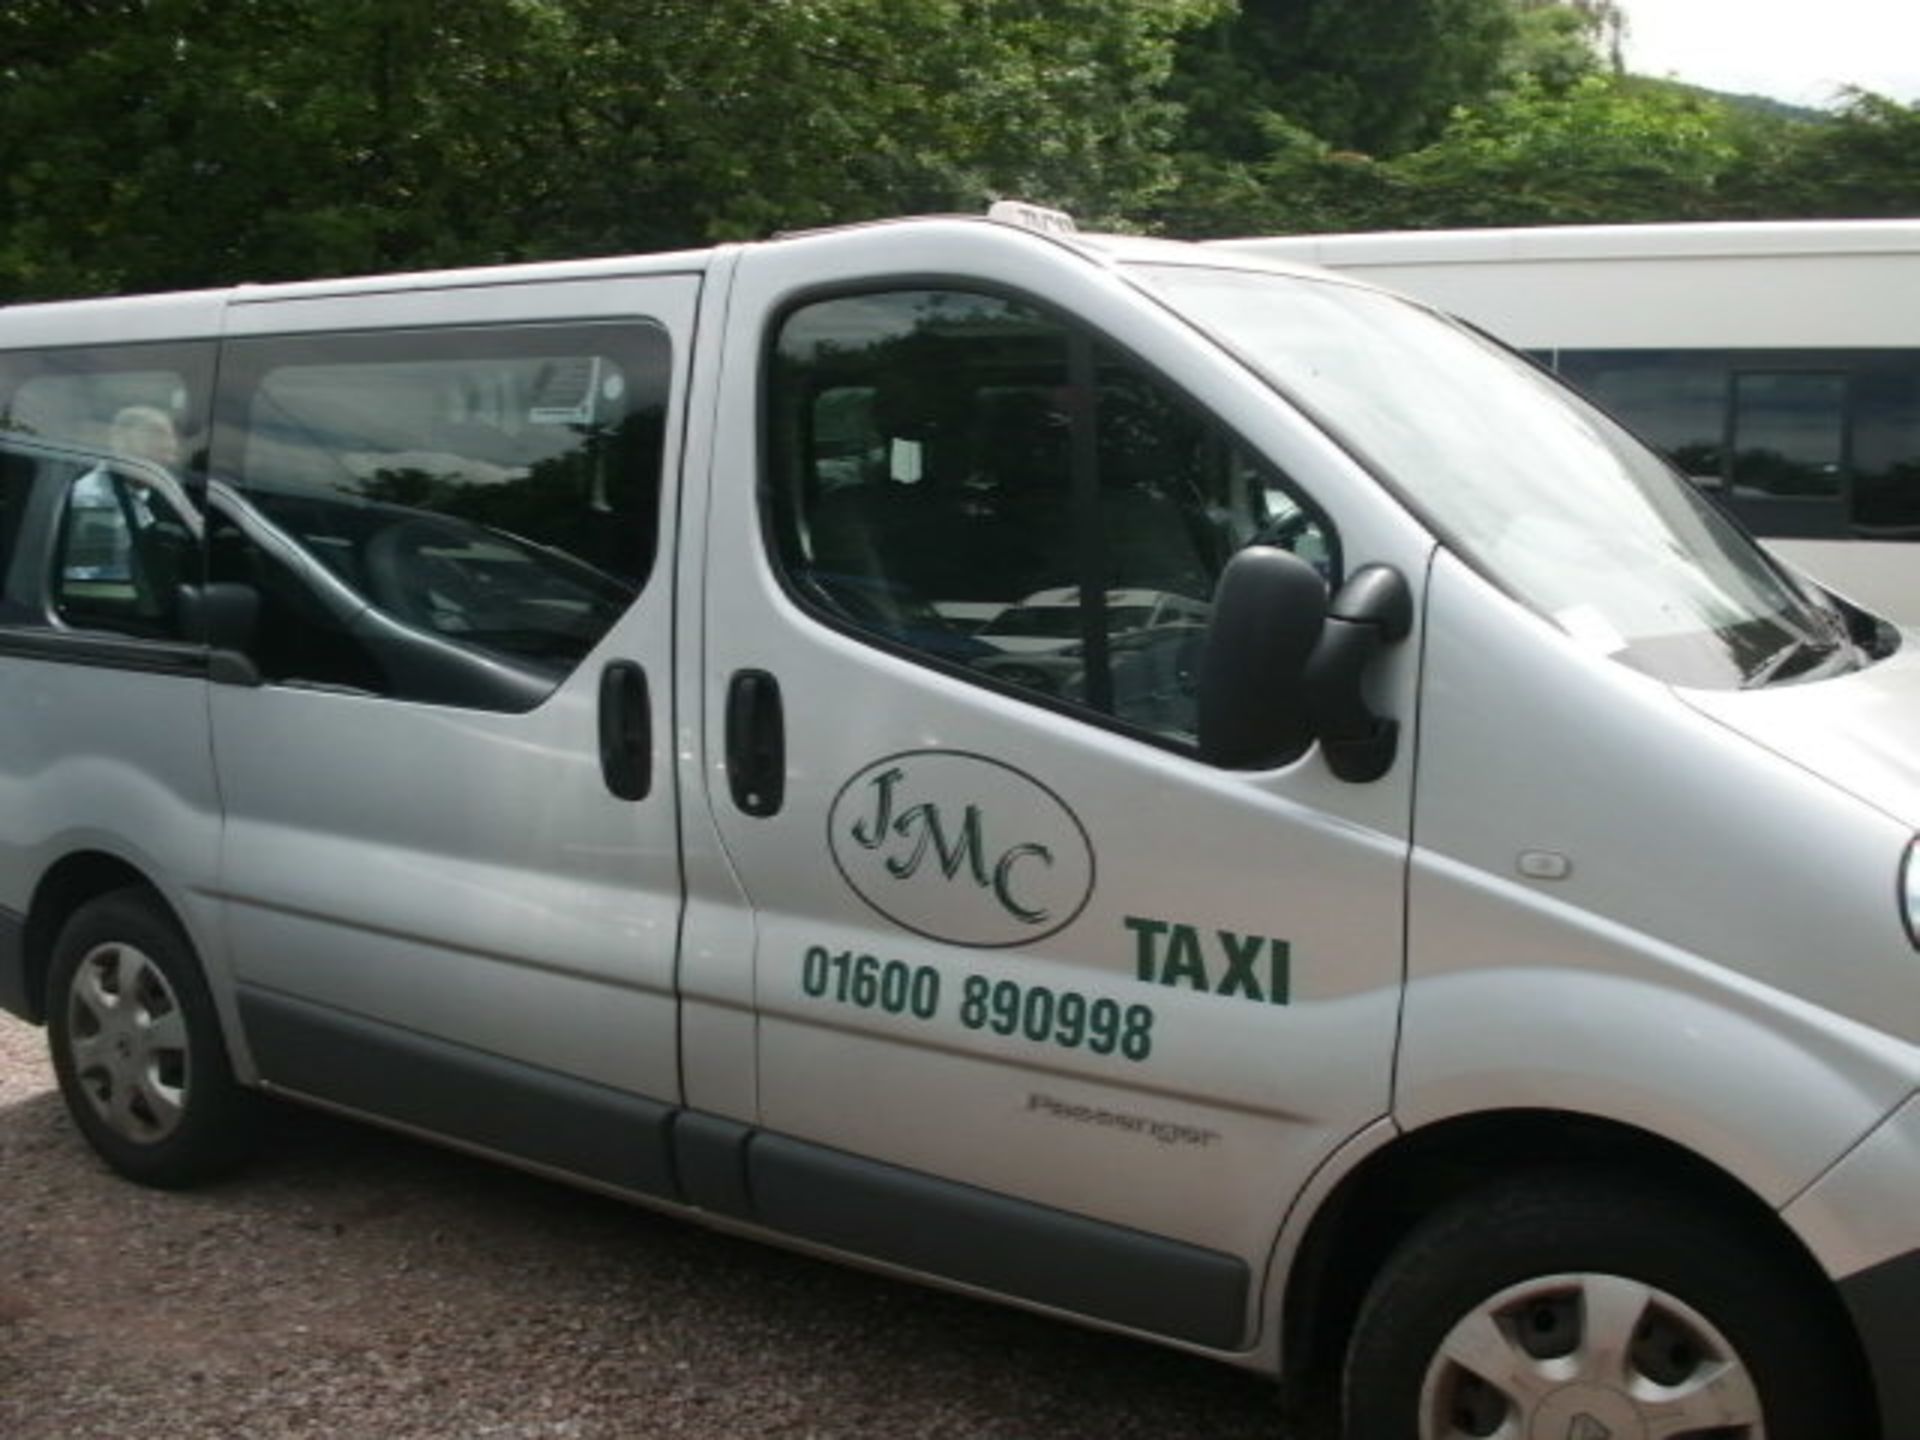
(352,1283)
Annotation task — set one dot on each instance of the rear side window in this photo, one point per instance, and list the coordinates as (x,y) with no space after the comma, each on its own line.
(100,514)
(454,516)
(101,398)
(127,547)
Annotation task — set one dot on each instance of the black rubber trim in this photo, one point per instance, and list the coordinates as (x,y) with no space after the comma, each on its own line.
(13,967)
(979,1238)
(710,1157)
(230,667)
(1884,1301)
(107,652)
(549,1119)
(938,1227)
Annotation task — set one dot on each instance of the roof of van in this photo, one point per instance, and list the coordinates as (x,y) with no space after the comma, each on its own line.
(166,316)
(1587,242)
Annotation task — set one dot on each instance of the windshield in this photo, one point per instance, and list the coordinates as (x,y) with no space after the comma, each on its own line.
(1539,491)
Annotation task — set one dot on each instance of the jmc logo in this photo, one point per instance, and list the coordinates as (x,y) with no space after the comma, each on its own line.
(961,848)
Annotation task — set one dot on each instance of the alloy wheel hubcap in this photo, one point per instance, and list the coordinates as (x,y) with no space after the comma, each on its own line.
(128,1042)
(1587,1357)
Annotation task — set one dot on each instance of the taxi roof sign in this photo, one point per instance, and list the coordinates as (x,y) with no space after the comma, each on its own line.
(1032,217)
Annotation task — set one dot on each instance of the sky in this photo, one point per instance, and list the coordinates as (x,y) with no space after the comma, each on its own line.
(1802,51)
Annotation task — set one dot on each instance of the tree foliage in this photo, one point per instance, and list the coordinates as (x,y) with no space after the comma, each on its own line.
(179,142)
(1599,151)
(1862,163)
(1558,135)
(171,143)
(1558,45)
(1367,75)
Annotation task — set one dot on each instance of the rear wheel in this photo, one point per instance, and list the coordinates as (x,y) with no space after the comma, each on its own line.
(137,1047)
(1576,1308)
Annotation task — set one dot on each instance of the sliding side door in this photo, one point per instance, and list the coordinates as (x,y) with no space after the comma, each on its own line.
(441,538)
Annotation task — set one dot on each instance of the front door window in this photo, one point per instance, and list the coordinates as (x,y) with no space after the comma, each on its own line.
(970,479)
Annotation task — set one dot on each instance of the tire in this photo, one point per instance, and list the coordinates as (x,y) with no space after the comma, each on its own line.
(1573,1306)
(137,1047)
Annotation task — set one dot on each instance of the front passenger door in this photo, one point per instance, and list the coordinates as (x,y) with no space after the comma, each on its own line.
(1012,932)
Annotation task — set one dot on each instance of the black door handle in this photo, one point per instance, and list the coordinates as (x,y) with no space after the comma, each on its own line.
(626,730)
(756,743)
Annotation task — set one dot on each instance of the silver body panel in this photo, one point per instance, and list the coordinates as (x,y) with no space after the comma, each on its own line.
(1657,984)
(75,777)
(1846,730)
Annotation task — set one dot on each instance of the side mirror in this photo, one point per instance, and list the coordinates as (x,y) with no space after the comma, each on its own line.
(221,614)
(1373,610)
(1268,612)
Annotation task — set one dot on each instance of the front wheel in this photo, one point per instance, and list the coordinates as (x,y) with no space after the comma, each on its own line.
(1577,1308)
(137,1047)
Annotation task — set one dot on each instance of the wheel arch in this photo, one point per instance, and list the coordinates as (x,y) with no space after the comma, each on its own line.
(1377,1204)
(69,883)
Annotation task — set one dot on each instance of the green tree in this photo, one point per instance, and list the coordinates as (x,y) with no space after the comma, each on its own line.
(164,143)
(1559,44)
(1863,162)
(1377,76)
(760,115)
(1606,150)
(1307,114)
(181,142)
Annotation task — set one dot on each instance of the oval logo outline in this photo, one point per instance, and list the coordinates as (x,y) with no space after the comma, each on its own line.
(874,772)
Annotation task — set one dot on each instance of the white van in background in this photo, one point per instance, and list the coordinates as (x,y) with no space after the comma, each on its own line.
(1459,942)
(1776,363)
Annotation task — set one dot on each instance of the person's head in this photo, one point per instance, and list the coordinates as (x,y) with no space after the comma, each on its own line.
(145,432)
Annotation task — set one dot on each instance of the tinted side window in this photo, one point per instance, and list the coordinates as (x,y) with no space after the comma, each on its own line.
(33,486)
(88,397)
(104,532)
(1886,449)
(1676,402)
(1789,433)
(1800,442)
(128,543)
(448,516)
(971,479)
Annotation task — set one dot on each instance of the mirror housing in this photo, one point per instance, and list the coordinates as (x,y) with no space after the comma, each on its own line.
(222,614)
(1373,610)
(1268,613)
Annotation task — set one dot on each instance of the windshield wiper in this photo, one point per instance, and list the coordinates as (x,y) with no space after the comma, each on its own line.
(1804,649)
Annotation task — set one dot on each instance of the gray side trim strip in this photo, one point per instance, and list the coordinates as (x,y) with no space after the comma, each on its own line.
(551,1119)
(920,1222)
(13,966)
(979,1238)
(710,1157)
(1884,1301)
(112,652)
